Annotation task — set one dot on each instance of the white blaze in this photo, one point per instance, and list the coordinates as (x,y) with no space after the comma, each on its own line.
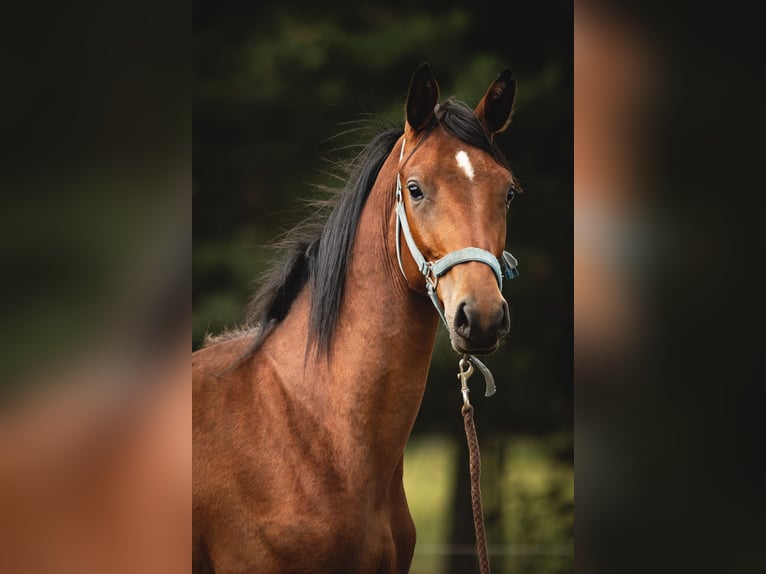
(464,162)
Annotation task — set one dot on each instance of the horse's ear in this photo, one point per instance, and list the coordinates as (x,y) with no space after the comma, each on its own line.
(495,108)
(422,97)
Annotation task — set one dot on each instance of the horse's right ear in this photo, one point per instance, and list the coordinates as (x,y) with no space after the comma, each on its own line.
(422,98)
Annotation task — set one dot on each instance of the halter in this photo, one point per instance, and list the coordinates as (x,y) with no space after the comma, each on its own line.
(431,271)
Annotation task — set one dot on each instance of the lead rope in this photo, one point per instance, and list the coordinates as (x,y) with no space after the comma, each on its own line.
(474,465)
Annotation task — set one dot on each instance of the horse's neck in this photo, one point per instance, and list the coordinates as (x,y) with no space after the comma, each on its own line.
(386,331)
(373,384)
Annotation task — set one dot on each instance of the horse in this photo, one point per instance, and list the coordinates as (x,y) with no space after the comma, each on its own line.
(300,420)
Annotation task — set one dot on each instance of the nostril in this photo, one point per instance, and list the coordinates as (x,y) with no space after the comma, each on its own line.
(461,323)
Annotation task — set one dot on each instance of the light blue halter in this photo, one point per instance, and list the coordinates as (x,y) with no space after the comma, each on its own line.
(507,267)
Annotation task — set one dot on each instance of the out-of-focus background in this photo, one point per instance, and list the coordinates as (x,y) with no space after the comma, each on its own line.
(274,85)
(95,234)
(668,292)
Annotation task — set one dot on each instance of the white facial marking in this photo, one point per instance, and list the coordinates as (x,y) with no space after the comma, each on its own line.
(465,163)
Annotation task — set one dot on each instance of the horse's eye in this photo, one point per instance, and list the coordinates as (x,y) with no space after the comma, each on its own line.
(510,196)
(415,191)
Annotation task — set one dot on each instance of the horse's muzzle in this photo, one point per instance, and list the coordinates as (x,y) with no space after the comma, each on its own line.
(478,329)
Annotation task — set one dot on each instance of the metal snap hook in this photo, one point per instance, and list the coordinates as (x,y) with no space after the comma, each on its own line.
(465,367)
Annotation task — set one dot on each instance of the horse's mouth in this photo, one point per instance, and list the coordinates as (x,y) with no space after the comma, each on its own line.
(461,346)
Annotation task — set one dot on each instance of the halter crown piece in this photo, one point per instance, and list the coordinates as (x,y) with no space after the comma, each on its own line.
(506,267)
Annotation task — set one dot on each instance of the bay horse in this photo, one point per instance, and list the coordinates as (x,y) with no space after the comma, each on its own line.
(300,421)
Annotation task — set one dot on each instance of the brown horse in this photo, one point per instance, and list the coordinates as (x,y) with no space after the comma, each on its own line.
(300,422)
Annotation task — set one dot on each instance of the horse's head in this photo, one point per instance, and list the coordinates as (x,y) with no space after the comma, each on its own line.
(455,191)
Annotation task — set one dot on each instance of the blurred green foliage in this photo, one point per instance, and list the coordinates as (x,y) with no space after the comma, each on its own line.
(536,492)
(277,87)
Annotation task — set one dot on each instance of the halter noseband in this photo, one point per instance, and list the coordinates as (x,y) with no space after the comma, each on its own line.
(431,271)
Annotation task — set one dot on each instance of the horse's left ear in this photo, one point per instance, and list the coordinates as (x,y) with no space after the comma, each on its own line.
(422,97)
(495,108)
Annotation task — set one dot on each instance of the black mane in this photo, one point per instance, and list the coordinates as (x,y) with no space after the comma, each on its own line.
(317,251)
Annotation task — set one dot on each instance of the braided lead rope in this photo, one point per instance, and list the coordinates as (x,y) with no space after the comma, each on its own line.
(465,368)
(474,458)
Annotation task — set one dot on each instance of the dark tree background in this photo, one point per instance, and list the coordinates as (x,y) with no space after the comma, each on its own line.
(274,83)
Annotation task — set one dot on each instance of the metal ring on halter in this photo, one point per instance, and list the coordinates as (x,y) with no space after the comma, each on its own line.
(466,367)
(431,277)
